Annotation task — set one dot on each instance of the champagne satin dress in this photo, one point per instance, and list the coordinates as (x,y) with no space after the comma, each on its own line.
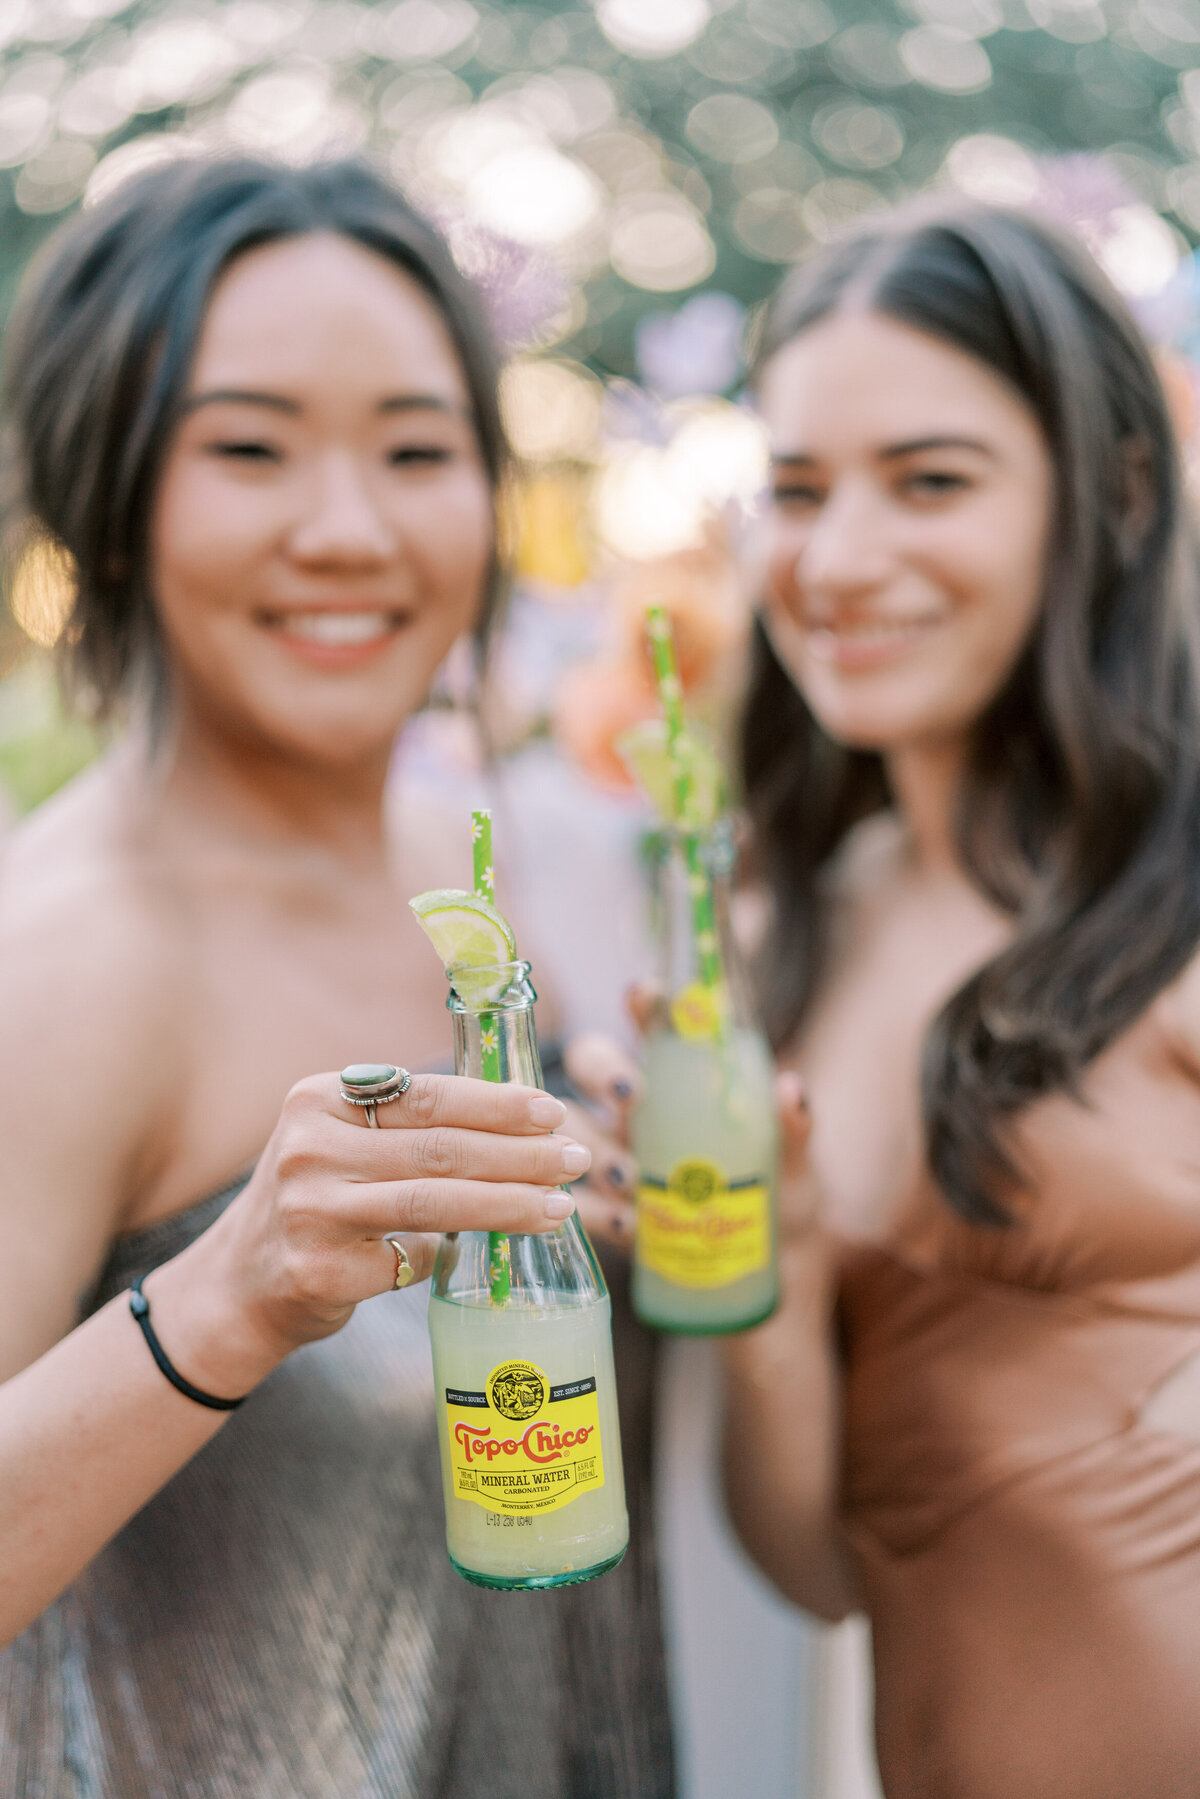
(1023,1506)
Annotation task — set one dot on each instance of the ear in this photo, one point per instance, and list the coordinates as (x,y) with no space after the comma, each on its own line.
(1136,496)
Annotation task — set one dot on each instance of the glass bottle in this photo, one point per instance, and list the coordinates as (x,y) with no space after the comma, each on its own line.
(521,1328)
(705,1133)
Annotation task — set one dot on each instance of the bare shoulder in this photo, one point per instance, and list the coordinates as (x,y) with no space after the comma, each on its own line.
(92,965)
(92,942)
(1177,1011)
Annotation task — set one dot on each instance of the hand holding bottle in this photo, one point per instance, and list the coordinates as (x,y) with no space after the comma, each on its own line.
(610,1081)
(610,1084)
(295,1252)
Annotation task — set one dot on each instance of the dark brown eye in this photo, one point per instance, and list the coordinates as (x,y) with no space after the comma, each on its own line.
(419,455)
(936,482)
(245,450)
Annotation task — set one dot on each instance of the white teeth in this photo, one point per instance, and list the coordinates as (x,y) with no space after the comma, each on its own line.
(880,633)
(337,629)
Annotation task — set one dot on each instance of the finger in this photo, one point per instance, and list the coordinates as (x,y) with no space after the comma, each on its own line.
(646,1002)
(613,1170)
(602,1071)
(415,1264)
(795,1120)
(446,1152)
(460,1205)
(606,1220)
(455,1099)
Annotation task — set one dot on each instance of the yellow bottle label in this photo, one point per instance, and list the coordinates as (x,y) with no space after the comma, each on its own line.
(697,1012)
(522,1444)
(698,1230)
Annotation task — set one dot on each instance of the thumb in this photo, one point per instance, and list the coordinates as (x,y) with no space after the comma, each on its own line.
(795,1120)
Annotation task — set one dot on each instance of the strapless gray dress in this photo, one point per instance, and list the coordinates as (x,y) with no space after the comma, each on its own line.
(281,1620)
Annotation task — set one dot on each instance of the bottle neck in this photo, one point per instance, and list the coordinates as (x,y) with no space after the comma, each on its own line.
(692,905)
(494,1035)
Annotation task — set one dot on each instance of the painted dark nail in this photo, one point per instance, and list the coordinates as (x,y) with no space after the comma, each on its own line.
(617,1176)
(623,1089)
(620,1223)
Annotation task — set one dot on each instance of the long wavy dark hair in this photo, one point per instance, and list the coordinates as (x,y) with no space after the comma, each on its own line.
(98,354)
(1079,814)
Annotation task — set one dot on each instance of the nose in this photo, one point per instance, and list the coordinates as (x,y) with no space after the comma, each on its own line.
(342,524)
(845,550)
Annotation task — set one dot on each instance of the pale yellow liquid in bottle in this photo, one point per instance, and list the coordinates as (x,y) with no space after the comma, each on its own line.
(708,1102)
(568,1343)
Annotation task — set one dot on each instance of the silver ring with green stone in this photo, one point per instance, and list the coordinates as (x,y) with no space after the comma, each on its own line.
(371,1084)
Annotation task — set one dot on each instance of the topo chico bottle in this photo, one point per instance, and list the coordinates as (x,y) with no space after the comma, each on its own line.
(705,1133)
(521,1328)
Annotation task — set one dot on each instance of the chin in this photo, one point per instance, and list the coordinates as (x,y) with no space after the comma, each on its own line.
(334,735)
(884,723)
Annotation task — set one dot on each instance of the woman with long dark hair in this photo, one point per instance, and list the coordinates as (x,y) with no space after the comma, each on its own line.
(972,756)
(252,409)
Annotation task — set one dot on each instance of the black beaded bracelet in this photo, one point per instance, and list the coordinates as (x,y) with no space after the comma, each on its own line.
(139,1305)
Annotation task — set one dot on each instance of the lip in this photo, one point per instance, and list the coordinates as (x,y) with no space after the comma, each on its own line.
(336,638)
(862,645)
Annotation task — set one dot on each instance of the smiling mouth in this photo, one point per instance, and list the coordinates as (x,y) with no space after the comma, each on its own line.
(864,643)
(337,630)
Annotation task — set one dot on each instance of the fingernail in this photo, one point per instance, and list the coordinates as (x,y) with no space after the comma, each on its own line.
(617,1176)
(558,1203)
(546,1111)
(619,1223)
(575,1158)
(623,1089)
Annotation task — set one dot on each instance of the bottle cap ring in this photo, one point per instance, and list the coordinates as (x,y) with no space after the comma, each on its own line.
(371,1084)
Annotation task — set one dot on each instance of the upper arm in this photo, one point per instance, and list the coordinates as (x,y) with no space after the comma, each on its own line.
(86,1063)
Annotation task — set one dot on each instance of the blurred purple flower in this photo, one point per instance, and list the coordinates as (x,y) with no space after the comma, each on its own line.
(1173,315)
(1081,190)
(696,350)
(631,413)
(522,288)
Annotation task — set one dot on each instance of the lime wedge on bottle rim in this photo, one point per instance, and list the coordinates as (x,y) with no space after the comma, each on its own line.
(468,933)
(643,749)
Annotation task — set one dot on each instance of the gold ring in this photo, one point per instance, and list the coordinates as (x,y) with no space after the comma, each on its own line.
(405,1272)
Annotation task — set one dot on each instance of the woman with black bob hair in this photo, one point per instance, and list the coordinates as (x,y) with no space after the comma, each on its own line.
(252,412)
(972,756)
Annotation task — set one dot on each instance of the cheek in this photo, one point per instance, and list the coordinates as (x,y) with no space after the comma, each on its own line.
(457,532)
(1001,581)
(204,529)
(782,544)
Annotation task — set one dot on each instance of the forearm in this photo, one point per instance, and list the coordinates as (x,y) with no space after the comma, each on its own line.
(91,1431)
(782,1439)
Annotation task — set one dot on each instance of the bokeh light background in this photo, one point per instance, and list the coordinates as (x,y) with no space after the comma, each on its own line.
(629,177)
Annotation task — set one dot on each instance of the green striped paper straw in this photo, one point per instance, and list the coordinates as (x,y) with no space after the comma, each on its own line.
(499,1259)
(670,693)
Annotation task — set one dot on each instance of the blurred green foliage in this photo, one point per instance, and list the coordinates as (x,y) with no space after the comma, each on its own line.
(41,745)
(645,147)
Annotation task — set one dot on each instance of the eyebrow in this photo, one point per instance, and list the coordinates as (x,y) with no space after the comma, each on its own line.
(245,396)
(893,452)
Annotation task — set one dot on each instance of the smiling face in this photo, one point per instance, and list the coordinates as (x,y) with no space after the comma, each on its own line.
(913,493)
(323,526)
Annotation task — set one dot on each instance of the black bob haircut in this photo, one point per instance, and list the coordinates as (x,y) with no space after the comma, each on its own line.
(97,358)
